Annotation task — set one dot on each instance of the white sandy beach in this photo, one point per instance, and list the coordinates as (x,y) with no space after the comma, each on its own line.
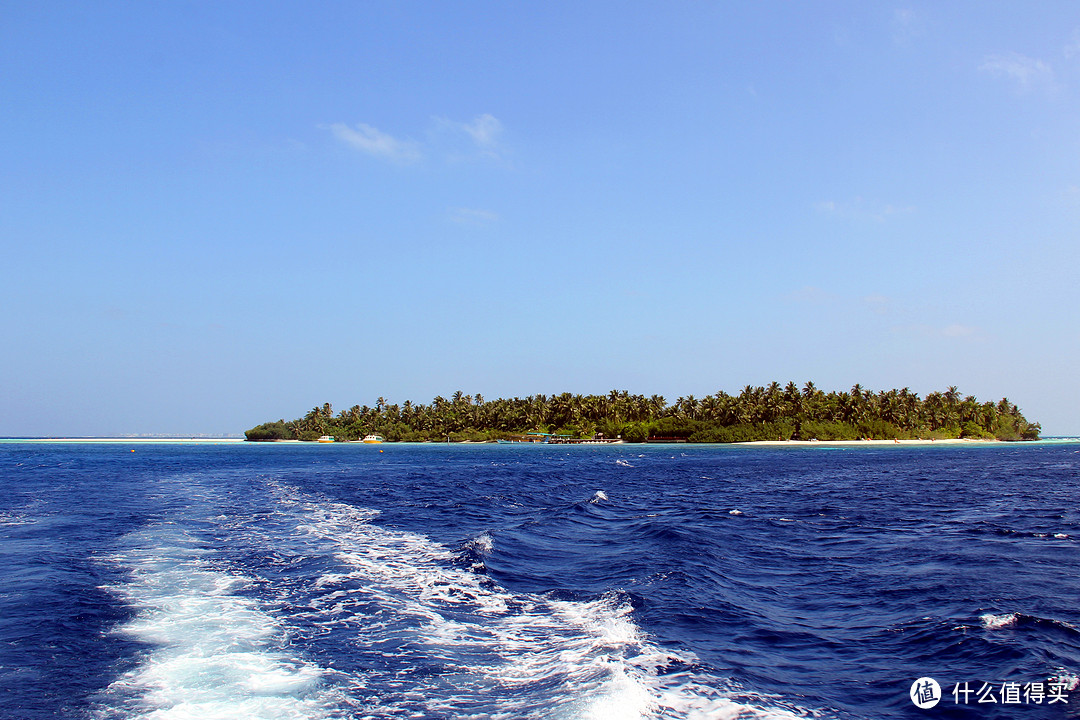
(951,441)
(757,443)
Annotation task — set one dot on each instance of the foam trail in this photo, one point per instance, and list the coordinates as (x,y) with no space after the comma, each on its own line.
(215,654)
(438,640)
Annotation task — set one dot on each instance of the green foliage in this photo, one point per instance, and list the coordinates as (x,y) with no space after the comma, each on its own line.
(672,428)
(944,433)
(973,430)
(269,431)
(743,432)
(879,429)
(826,430)
(756,413)
(1010,427)
(634,432)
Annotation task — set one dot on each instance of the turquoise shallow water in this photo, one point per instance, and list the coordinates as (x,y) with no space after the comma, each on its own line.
(297,581)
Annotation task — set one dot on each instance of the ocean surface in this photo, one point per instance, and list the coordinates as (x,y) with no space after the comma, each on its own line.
(270,581)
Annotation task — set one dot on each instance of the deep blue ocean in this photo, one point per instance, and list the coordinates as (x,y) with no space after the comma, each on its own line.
(268,581)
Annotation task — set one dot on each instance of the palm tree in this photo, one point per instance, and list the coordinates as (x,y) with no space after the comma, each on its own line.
(709,407)
(690,407)
(588,413)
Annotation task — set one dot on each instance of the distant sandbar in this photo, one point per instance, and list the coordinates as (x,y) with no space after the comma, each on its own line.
(946,441)
(123,440)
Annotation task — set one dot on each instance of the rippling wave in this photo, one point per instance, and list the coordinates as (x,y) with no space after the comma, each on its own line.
(447,582)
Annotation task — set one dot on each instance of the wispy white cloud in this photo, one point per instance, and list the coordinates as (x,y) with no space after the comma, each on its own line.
(1026,72)
(859,209)
(472,216)
(484,130)
(451,139)
(482,134)
(369,140)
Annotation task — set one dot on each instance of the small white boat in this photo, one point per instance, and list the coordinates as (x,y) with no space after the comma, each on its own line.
(373,438)
(326,438)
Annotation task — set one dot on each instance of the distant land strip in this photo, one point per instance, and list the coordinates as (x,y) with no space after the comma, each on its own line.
(769,413)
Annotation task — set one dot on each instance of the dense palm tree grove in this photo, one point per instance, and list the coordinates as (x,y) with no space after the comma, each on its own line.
(756,413)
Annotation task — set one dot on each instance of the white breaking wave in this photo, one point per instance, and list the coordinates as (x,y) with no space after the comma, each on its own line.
(445,641)
(214,655)
(483,544)
(996,622)
(1069,680)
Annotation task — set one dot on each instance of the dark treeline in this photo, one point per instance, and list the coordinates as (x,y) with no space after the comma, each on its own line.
(757,413)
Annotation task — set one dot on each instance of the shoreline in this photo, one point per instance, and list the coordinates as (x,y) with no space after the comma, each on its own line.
(753,443)
(812,443)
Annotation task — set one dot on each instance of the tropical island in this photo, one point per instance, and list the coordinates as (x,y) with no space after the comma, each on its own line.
(756,414)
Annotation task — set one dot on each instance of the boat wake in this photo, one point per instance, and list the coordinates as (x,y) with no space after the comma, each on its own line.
(313,610)
(214,653)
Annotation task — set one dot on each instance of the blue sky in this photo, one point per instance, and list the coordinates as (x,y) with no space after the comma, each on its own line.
(218,214)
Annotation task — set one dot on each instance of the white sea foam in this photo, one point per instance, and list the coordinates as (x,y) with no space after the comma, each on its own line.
(1069,679)
(598,496)
(215,654)
(434,639)
(735,512)
(482,544)
(444,640)
(623,463)
(996,622)
(14,517)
